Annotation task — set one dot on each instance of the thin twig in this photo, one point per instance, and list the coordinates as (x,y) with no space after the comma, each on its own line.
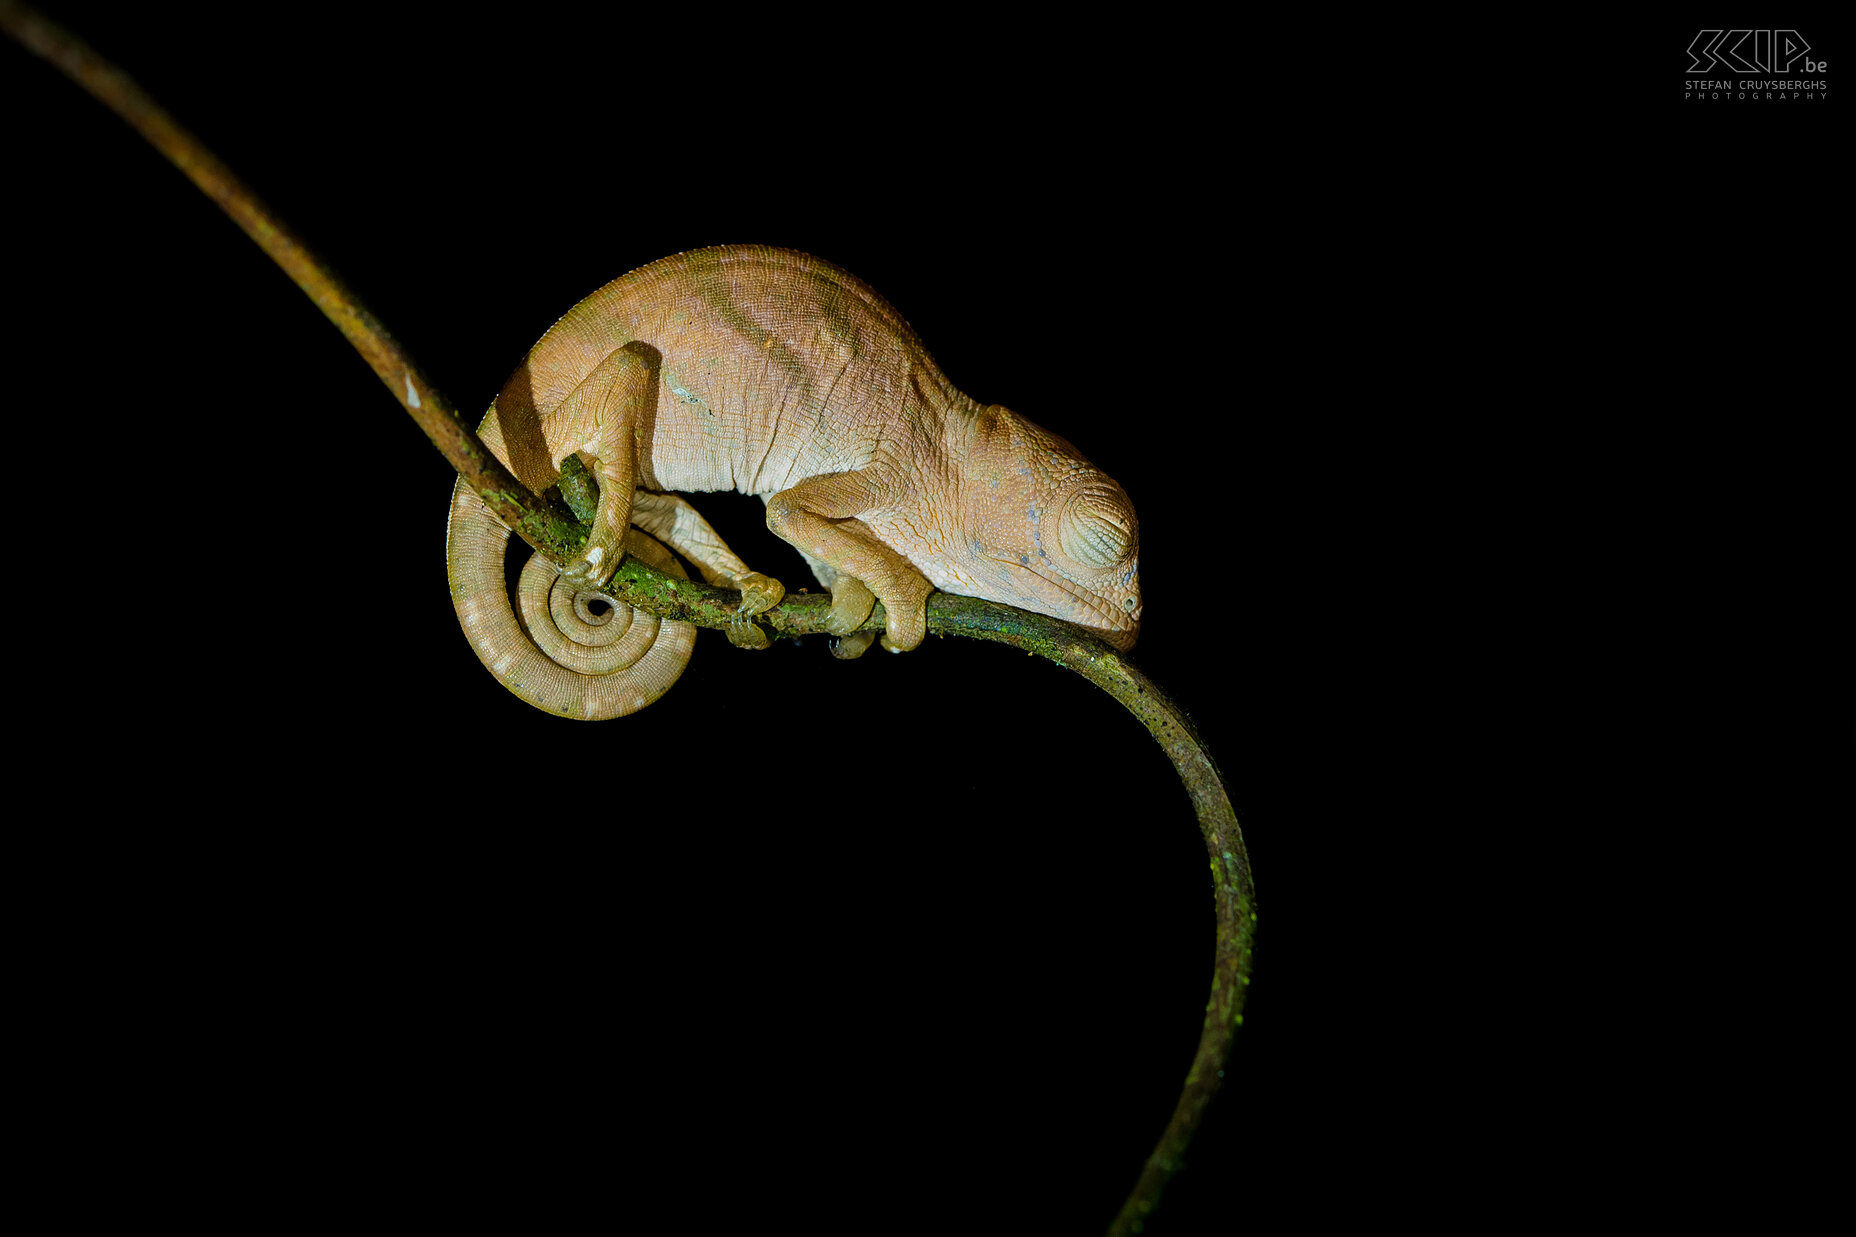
(547,527)
(553,531)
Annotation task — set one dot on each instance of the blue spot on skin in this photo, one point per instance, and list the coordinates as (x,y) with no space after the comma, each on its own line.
(1024,560)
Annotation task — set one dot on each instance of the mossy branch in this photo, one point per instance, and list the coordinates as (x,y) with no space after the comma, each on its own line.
(547,524)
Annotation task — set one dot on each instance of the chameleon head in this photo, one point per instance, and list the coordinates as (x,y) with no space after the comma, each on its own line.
(1044,529)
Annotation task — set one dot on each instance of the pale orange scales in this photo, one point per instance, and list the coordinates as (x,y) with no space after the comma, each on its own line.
(777,374)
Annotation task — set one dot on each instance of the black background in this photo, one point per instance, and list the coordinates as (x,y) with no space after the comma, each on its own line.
(1436,463)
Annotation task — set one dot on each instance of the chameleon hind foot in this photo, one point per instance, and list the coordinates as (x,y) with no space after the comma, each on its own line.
(759,593)
(744,633)
(590,574)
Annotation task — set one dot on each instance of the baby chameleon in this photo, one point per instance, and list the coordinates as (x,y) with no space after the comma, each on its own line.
(777,374)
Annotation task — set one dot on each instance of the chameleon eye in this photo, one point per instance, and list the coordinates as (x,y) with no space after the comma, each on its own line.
(1096,533)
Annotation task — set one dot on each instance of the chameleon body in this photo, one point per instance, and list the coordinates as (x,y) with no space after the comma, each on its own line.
(776,374)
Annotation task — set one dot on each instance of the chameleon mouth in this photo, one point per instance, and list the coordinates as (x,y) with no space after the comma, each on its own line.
(1111,624)
(1122,639)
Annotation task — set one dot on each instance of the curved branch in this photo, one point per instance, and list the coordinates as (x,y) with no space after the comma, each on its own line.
(552,529)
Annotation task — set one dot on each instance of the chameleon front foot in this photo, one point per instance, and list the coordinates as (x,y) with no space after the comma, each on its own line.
(851,603)
(905,608)
(853,646)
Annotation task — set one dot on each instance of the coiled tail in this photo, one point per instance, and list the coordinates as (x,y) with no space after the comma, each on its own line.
(583,655)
